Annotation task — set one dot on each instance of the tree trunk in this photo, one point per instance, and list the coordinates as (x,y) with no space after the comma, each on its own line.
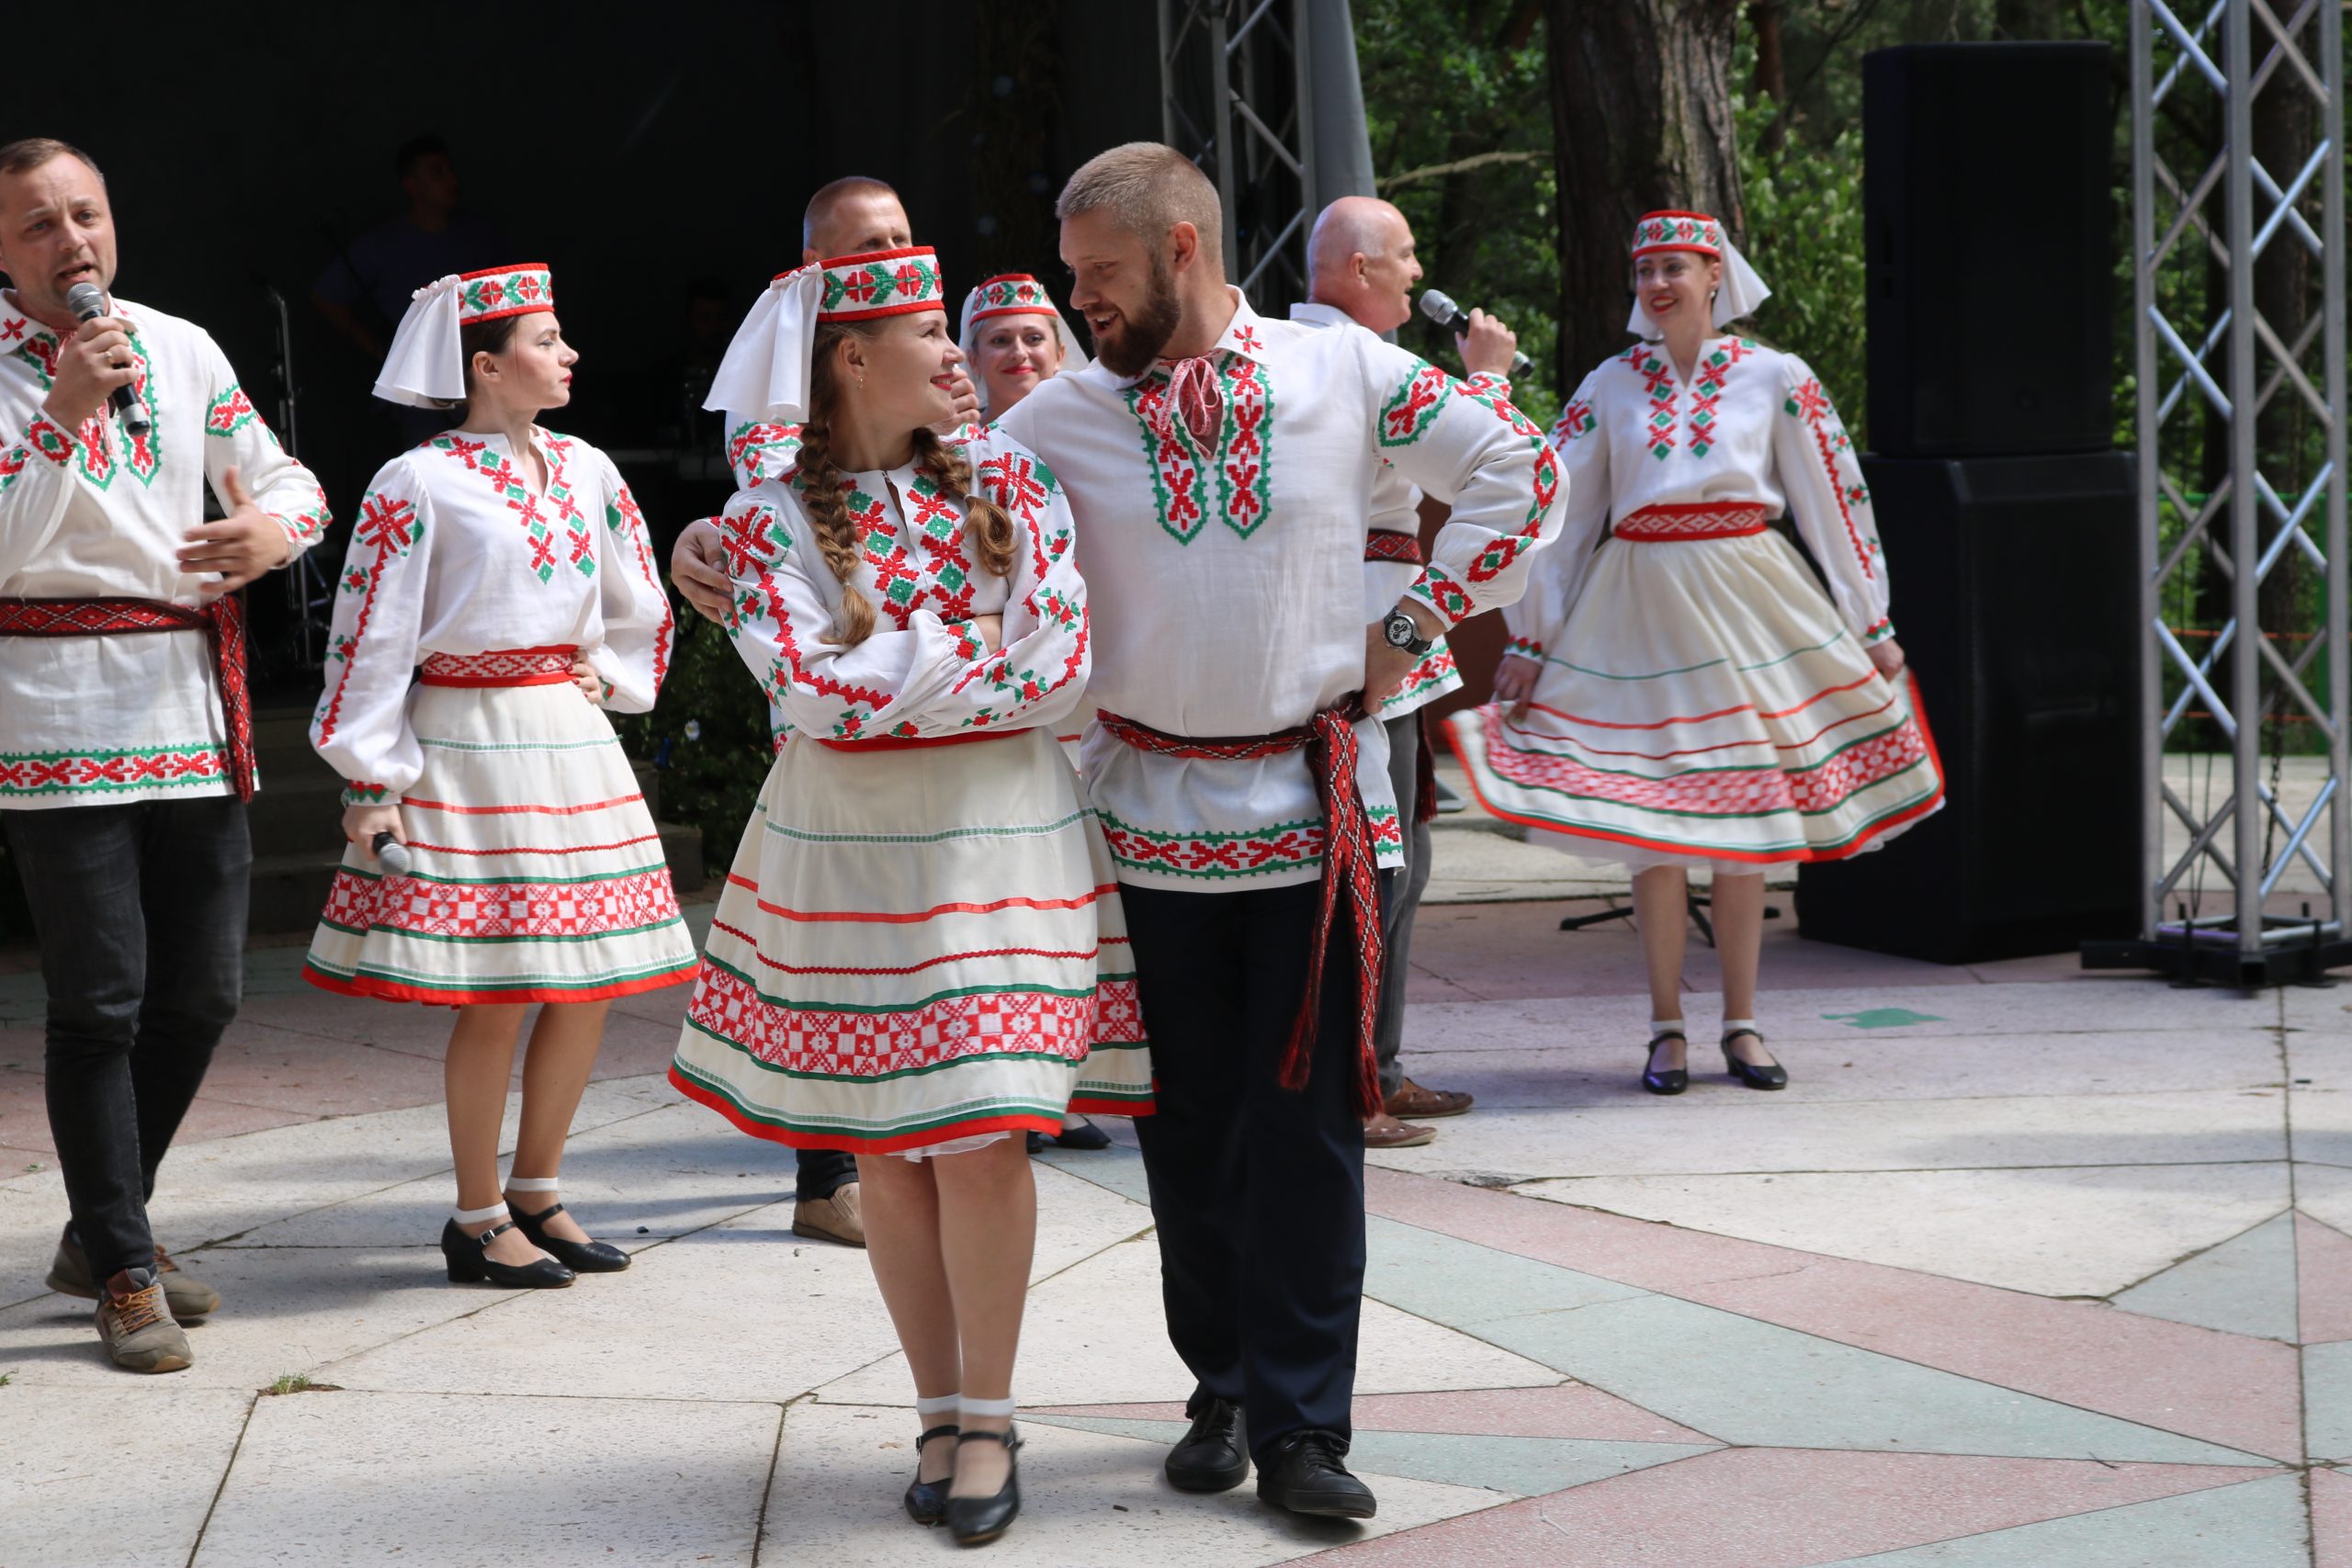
(1641,119)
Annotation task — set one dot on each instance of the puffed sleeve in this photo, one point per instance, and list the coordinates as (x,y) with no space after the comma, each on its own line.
(1814,460)
(1581,440)
(1470,447)
(235,437)
(361,726)
(634,656)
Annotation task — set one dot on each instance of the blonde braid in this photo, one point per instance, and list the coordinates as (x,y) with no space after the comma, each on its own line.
(990,528)
(820,483)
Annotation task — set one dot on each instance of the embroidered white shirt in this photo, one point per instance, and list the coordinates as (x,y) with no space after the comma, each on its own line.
(1752,424)
(1228,577)
(457,551)
(94,513)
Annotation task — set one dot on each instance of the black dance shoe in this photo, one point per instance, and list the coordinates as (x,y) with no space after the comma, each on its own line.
(580,1256)
(1212,1457)
(975,1521)
(1674,1081)
(1772,1076)
(469,1261)
(1306,1477)
(927,1500)
(1085,1136)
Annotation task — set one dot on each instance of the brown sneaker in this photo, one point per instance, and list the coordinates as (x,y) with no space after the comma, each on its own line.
(837,1218)
(135,1327)
(1412,1099)
(1385,1132)
(190,1298)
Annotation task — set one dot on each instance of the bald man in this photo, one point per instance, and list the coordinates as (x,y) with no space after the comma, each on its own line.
(1361,272)
(848,217)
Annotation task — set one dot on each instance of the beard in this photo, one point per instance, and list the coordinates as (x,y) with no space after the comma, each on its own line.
(1129,348)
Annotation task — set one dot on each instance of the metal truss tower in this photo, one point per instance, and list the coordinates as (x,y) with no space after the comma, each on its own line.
(1237,97)
(2238,242)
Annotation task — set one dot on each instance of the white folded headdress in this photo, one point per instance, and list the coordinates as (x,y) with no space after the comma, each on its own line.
(1013,294)
(427,367)
(1741,291)
(767,370)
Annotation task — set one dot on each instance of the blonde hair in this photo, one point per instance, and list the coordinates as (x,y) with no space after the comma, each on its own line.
(1149,187)
(820,483)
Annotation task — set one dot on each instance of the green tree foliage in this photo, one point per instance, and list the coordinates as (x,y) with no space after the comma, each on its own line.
(1804,236)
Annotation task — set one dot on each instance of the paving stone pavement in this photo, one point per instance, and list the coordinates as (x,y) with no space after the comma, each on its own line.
(2026,1269)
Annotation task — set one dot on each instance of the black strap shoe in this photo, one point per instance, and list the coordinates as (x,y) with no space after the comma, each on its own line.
(1304,1474)
(975,1521)
(927,1500)
(1674,1081)
(469,1261)
(1767,1076)
(1212,1457)
(580,1256)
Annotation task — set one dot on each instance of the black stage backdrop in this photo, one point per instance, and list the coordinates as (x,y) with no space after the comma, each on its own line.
(632,148)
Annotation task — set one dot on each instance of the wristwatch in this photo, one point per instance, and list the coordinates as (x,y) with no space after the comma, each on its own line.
(1403,631)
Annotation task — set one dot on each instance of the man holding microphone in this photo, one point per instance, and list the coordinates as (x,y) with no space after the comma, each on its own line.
(126,742)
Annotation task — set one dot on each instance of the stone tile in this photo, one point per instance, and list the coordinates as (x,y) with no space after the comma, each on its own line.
(1723,1128)
(742,1309)
(2324,1275)
(1518,1467)
(1743,1381)
(2325,1192)
(307,1076)
(2225,1387)
(2244,1285)
(1424,1272)
(283,1310)
(2257,1524)
(1570,1410)
(2056,1232)
(1093,1335)
(2320,1113)
(88,1438)
(1767,1508)
(339,1478)
(1580,1070)
(2327,1401)
(1087,1500)
(2331,1506)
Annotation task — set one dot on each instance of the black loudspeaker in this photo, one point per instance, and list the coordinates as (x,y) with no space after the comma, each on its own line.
(1990,241)
(2016,603)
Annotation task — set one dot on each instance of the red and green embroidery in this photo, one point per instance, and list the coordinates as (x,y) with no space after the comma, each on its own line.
(500,291)
(758,451)
(540,515)
(1243,455)
(355,792)
(1523,647)
(1575,421)
(94,446)
(388,529)
(1707,392)
(1810,405)
(230,412)
(882,283)
(623,516)
(1228,857)
(28,774)
(1658,381)
(1414,406)
(1678,231)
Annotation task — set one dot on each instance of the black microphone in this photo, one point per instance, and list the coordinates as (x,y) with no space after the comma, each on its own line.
(392,852)
(1440,307)
(85,300)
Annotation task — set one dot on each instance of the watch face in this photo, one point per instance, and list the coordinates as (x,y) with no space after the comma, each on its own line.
(1400,630)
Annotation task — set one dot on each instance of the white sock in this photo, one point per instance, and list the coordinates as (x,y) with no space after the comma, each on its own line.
(944,1404)
(476,1216)
(1665,1026)
(1731,1025)
(534,1184)
(990,1406)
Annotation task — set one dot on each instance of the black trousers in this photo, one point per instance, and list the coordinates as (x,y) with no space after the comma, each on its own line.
(821,1173)
(1258,1191)
(1404,743)
(140,912)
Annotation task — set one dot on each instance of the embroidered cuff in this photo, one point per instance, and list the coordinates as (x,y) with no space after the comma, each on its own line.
(1441,593)
(48,438)
(1493,381)
(304,528)
(357,793)
(1523,647)
(1878,633)
(968,648)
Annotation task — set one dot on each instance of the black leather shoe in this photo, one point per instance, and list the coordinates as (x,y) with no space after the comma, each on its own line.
(1674,1081)
(927,1500)
(1212,1457)
(469,1261)
(975,1521)
(1305,1476)
(580,1256)
(1772,1076)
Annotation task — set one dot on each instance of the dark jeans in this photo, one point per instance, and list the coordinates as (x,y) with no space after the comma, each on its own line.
(1258,1191)
(821,1173)
(1404,743)
(140,911)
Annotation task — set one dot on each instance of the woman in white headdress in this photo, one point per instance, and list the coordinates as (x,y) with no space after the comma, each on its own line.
(919,955)
(1016,341)
(511,563)
(1686,696)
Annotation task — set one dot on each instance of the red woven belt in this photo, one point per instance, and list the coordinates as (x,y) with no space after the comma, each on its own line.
(1381,545)
(911,742)
(1703,520)
(500,666)
(1350,864)
(222,621)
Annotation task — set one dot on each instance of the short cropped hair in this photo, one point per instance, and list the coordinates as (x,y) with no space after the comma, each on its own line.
(23,156)
(414,151)
(1147,188)
(821,206)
